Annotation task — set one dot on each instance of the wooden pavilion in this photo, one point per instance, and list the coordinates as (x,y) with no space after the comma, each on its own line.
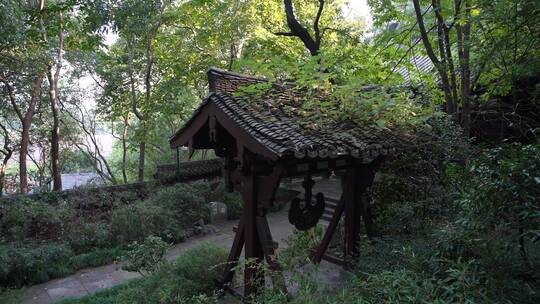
(263,139)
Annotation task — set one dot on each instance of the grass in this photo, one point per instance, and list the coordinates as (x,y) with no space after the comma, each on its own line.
(11,296)
(30,264)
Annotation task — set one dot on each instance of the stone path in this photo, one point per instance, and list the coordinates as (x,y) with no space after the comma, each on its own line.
(89,281)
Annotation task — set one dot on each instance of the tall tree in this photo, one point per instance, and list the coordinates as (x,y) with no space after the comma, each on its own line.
(21,71)
(138,24)
(54,68)
(7,151)
(311,42)
(25,117)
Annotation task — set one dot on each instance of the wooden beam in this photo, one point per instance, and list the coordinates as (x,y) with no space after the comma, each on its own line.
(366,175)
(323,246)
(303,167)
(254,254)
(352,213)
(202,118)
(234,254)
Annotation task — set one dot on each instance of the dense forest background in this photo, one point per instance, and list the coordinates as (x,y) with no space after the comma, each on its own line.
(74,72)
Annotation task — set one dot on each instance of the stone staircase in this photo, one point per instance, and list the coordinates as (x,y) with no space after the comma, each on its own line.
(329,208)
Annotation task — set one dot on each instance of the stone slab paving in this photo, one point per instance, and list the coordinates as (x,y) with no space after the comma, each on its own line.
(89,281)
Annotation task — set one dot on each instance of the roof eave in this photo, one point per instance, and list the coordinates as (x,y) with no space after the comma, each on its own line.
(207,109)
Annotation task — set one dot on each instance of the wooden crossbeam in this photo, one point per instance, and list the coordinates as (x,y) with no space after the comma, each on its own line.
(234,254)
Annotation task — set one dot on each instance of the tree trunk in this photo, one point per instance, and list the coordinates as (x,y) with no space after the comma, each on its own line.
(8,152)
(3,168)
(23,175)
(55,132)
(446,62)
(463,39)
(124,149)
(142,148)
(313,44)
(440,65)
(53,94)
(26,123)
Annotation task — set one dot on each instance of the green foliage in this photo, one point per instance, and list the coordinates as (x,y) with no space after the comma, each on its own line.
(11,296)
(462,285)
(27,263)
(502,189)
(300,245)
(33,219)
(86,237)
(415,190)
(135,222)
(498,204)
(210,192)
(166,214)
(31,263)
(76,161)
(189,279)
(235,205)
(147,256)
(90,229)
(184,201)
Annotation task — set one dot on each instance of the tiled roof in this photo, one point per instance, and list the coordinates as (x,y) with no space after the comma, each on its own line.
(420,65)
(269,120)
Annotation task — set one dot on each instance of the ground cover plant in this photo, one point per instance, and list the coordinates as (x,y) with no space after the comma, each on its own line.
(188,279)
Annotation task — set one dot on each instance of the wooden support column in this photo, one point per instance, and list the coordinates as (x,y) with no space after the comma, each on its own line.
(354,202)
(234,254)
(254,253)
(352,213)
(253,232)
(366,175)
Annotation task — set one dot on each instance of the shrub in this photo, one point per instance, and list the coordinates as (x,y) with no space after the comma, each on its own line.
(300,245)
(235,205)
(413,191)
(33,219)
(211,192)
(189,279)
(135,222)
(30,263)
(85,237)
(146,257)
(95,258)
(500,191)
(183,202)
(11,296)
(165,214)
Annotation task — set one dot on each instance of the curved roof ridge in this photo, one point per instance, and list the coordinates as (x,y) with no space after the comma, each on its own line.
(221,72)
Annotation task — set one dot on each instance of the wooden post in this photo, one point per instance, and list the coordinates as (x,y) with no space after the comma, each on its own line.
(235,252)
(178,160)
(366,175)
(254,254)
(352,213)
(253,232)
